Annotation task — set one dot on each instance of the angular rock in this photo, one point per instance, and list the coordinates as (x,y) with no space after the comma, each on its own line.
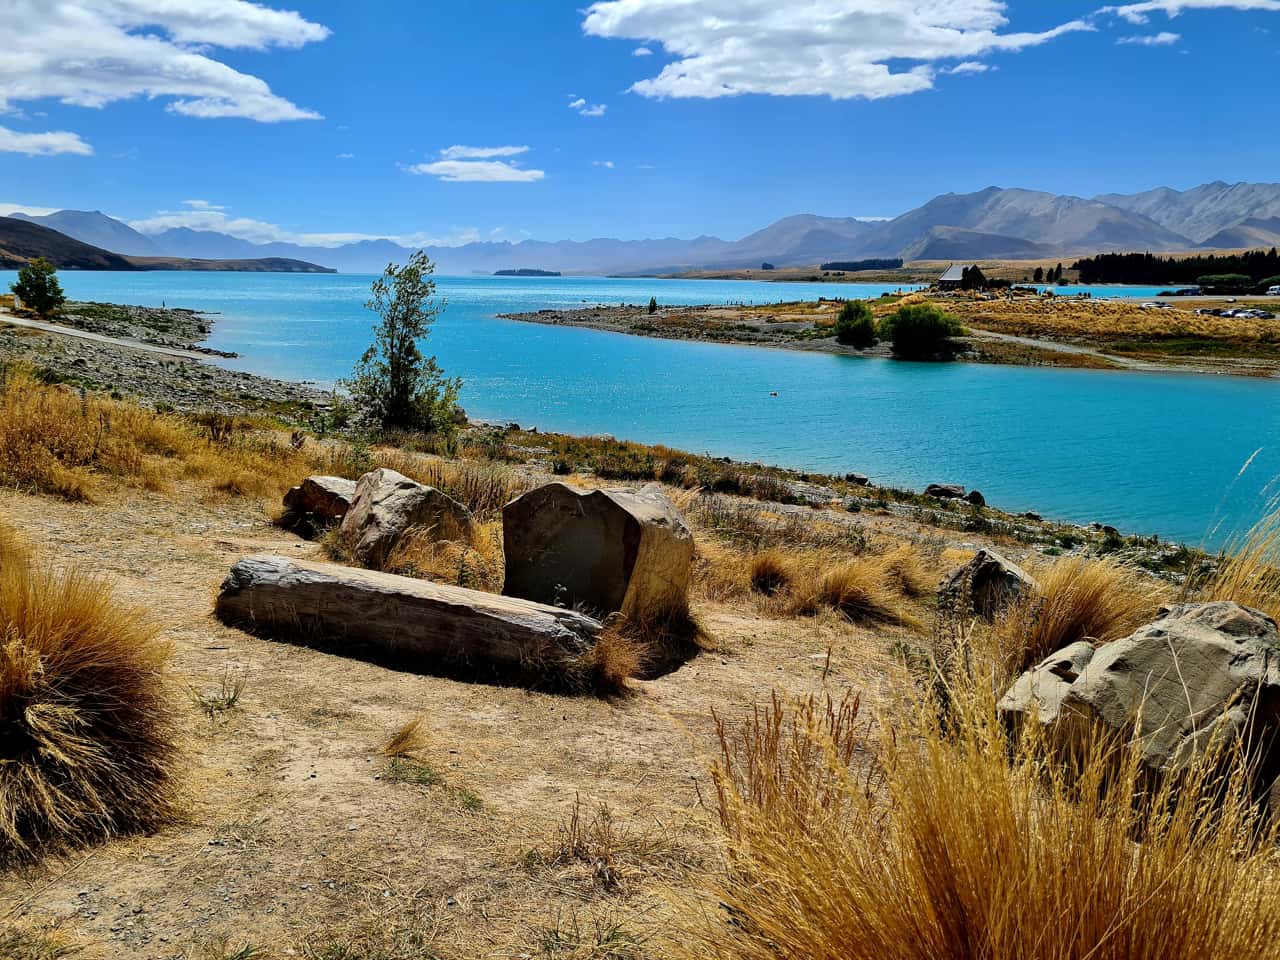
(387,505)
(1203,670)
(322,500)
(434,624)
(983,585)
(858,479)
(600,550)
(976,498)
(945,491)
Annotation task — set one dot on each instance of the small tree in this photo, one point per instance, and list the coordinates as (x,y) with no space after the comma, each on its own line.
(1038,276)
(393,383)
(856,325)
(38,287)
(920,331)
(653,306)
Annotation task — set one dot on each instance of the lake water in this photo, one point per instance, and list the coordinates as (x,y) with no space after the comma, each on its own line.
(1146,452)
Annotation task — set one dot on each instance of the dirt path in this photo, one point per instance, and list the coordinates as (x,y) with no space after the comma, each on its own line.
(9,318)
(297,836)
(1076,349)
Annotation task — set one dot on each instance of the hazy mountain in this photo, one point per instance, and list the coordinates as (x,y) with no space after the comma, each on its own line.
(96,229)
(1248,233)
(22,241)
(956,243)
(989,224)
(1202,212)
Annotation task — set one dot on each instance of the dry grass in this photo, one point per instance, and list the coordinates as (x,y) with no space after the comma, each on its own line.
(1249,573)
(476,563)
(65,442)
(90,740)
(1078,599)
(771,572)
(852,841)
(406,741)
(483,488)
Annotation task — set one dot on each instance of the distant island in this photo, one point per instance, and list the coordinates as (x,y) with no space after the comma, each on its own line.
(526,272)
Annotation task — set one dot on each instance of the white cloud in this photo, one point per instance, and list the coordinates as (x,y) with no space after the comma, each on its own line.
(346,156)
(480,153)
(261,231)
(42,144)
(1139,12)
(587,109)
(970,66)
(835,48)
(202,205)
(95,52)
(642,52)
(1162,39)
(607,164)
(9,209)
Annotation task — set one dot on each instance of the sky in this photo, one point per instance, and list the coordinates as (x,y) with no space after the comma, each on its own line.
(437,122)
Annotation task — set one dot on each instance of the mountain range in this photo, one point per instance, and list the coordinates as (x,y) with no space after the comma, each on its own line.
(995,223)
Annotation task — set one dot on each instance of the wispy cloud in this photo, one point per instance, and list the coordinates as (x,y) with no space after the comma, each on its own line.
(1162,39)
(42,144)
(480,153)
(91,54)
(607,164)
(642,52)
(970,66)
(840,49)
(262,231)
(9,209)
(1140,12)
(202,205)
(346,156)
(586,109)
(459,164)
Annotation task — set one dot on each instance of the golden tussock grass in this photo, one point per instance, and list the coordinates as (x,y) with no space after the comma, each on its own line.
(1078,599)
(407,740)
(476,563)
(88,713)
(1249,573)
(483,488)
(846,839)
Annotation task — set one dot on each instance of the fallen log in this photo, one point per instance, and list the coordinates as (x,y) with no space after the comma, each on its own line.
(433,627)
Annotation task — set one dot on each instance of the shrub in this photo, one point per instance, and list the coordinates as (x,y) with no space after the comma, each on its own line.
(88,714)
(920,331)
(771,572)
(1249,573)
(38,287)
(856,325)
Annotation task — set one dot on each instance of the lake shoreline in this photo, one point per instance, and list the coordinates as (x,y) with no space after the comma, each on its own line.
(774,326)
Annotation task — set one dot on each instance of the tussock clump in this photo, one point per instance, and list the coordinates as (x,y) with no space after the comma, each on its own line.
(853,841)
(1078,599)
(89,719)
(476,563)
(605,668)
(408,740)
(772,571)
(906,568)
(483,488)
(1250,573)
(860,590)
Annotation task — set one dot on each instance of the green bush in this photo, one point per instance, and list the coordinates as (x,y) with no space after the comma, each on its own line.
(856,325)
(920,331)
(1227,282)
(1267,284)
(38,288)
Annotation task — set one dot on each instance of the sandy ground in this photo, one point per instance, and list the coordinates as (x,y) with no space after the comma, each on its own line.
(295,839)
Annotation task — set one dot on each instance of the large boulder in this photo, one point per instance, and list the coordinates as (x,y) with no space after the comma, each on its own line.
(1202,670)
(604,551)
(945,491)
(983,585)
(316,503)
(387,505)
(432,625)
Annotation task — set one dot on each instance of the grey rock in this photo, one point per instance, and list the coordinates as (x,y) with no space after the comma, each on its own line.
(859,479)
(327,499)
(434,624)
(604,551)
(1201,671)
(976,498)
(945,491)
(983,585)
(387,505)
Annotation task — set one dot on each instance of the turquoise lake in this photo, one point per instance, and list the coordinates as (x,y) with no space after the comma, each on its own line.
(1149,453)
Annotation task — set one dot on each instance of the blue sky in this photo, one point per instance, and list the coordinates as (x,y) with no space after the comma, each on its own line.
(443,122)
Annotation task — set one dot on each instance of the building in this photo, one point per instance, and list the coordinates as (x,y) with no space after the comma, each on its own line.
(962,276)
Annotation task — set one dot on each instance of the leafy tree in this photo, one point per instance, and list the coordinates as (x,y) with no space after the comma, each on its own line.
(653,306)
(856,325)
(1038,276)
(393,384)
(972,278)
(38,287)
(920,331)
(1226,282)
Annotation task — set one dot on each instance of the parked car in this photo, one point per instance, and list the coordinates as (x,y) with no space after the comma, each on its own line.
(1273,291)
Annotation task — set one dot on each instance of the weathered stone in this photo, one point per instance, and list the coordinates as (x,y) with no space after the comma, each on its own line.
(858,479)
(327,499)
(601,550)
(387,505)
(983,585)
(1201,671)
(976,498)
(432,623)
(945,491)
